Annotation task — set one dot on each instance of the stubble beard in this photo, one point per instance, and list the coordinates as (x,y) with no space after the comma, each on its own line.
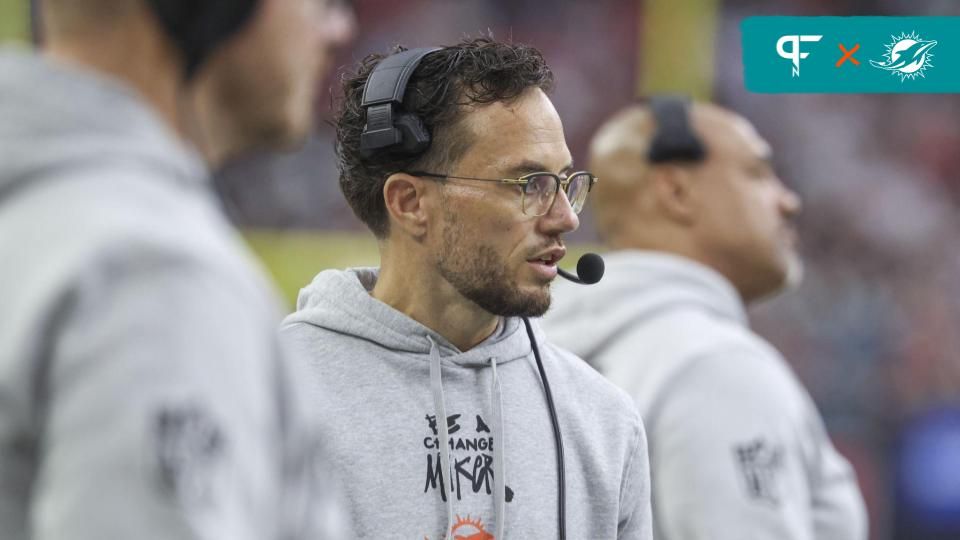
(479,274)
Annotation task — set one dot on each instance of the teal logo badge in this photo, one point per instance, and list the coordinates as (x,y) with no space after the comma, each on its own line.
(907,56)
(851,55)
(794,54)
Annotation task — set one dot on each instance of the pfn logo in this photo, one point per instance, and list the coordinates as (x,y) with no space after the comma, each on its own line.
(794,54)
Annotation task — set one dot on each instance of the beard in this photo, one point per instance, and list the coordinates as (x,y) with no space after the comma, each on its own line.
(479,274)
(795,270)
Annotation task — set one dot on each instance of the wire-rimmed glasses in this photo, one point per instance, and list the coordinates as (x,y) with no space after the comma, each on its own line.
(539,189)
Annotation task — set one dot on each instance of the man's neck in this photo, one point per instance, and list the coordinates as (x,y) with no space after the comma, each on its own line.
(424,296)
(135,53)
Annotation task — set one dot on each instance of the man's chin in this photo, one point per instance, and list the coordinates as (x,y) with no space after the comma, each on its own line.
(778,276)
(289,126)
(536,301)
(526,302)
(533,310)
(535,286)
(793,275)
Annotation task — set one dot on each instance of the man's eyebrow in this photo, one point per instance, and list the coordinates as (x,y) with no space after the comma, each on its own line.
(527,166)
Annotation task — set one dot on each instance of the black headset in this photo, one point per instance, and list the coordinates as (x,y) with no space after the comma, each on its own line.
(199,26)
(390,128)
(674,140)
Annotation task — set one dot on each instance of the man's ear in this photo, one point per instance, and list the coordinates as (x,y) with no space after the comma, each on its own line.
(403,196)
(675,192)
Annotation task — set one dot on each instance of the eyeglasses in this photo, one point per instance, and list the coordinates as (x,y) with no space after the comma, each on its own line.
(539,189)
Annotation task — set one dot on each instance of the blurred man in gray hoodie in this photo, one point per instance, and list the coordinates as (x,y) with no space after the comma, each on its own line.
(451,416)
(700,225)
(142,389)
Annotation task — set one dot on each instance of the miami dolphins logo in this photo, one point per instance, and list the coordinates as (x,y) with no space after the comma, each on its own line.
(907,56)
(468,529)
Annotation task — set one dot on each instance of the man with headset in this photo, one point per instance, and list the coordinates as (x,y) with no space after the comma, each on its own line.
(143,393)
(450,414)
(701,224)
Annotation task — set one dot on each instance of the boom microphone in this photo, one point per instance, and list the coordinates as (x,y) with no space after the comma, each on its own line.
(589,268)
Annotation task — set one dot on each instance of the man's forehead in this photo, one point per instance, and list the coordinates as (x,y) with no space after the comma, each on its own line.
(531,110)
(727,131)
(519,134)
(626,135)
(749,134)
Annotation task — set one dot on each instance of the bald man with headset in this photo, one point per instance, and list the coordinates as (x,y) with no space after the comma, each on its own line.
(700,225)
(143,392)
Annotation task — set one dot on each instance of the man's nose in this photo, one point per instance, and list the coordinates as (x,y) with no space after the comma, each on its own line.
(561,218)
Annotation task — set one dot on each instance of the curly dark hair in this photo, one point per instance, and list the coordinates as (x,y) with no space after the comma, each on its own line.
(474,71)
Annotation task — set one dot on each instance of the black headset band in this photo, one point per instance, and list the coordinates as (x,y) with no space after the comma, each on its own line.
(383,102)
(197,27)
(674,140)
(387,83)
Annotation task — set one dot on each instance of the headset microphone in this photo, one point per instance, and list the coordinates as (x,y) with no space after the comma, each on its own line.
(589,269)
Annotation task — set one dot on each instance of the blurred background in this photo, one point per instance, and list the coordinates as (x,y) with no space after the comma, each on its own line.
(872,332)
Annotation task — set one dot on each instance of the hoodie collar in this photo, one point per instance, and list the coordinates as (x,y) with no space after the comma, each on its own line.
(680,279)
(340,300)
(636,285)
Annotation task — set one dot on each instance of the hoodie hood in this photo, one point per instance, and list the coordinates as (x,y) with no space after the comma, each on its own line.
(585,318)
(59,116)
(340,301)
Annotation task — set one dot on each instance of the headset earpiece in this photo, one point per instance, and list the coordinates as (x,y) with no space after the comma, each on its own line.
(414,137)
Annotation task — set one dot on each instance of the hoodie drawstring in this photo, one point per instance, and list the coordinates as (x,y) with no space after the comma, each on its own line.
(436,385)
(499,468)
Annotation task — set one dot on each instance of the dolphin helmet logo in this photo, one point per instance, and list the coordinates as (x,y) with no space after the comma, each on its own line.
(907,56)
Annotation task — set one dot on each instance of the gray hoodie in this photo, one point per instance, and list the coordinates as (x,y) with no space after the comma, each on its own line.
(142,390)
(383,380)
(737,448)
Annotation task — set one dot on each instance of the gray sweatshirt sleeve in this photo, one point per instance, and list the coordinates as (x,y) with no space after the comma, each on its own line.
(726,458)
(635,513)
(157,408)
